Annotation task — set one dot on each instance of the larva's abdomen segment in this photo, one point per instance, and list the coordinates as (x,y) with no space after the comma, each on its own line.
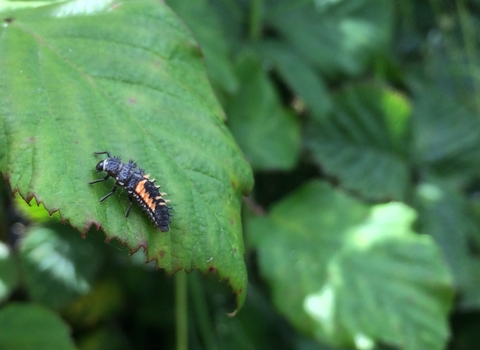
(151,200)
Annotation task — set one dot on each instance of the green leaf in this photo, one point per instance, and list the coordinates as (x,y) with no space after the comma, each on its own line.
(363,142)
(350,274)
(127,77)
(58,265)
(206,27)
(388,284)
(31,327)
(470,297)
(296,241)
(8,272)
(299,76)
(268,134)
(338,38)
(444,214)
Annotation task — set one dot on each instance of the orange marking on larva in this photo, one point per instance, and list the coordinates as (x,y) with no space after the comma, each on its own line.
(140,190)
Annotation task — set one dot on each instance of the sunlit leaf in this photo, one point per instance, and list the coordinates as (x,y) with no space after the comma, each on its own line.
(388,284)
(297,240)
(351,274)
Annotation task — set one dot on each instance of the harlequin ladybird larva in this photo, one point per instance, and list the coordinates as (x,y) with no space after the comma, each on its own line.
(137,185)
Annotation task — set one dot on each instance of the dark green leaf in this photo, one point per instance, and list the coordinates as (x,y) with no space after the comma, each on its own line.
(124,76)
(8,272)
(266,132)
(89,310)
(105,338)
(446,135)
(363,142)
(32,327)
(300,77)
(339,38)
(444,214)
(58,265)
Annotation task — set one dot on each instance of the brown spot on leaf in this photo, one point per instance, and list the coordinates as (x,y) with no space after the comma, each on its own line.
(132,100)
(212,269)
(8,20)
(235,250)
(162,253)
(234,184)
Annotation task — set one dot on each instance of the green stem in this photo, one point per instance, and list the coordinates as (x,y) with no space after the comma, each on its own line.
(181,310)
(255,19)
(202,315)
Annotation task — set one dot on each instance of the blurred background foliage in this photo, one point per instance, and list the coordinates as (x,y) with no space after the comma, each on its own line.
(361,120)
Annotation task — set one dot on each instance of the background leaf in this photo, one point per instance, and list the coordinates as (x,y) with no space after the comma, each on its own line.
(57,267)
(445,134)
(339,269)
(8,272)
(206,29)
(362,142)
(267,133)
(296,241)
(337,37)
(302,78)
(384,264)
(46,330)
(443,212)
(80,79)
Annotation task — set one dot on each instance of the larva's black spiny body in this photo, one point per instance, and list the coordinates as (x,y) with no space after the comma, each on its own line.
(138,186)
